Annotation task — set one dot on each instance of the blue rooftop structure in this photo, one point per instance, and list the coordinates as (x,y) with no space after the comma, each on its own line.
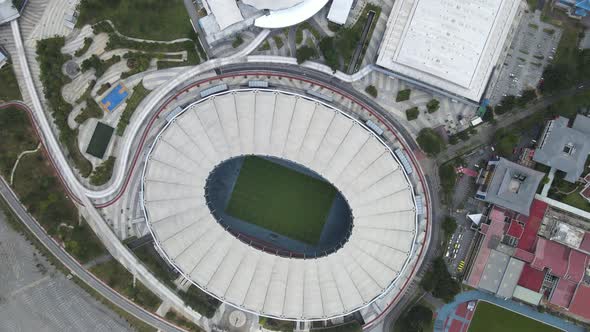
(578,7)
(583,4)
(582,8)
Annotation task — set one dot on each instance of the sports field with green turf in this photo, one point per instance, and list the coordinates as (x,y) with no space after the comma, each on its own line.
(491,318)
(281,200)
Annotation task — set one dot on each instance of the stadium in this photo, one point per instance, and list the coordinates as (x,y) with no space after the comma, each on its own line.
(281,205)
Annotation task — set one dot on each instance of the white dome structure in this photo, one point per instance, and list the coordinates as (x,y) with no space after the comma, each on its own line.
(308,132)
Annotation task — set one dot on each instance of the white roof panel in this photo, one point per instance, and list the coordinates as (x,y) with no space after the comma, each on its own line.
(450,44)
(319,137)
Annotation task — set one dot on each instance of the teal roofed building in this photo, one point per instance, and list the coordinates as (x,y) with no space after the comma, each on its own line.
(576,8)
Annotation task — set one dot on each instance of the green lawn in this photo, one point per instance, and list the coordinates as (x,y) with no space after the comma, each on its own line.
(138,94)
(491,318)
(15,137)
(576,200)
(281,200)
(118,278)
(147,19)
(8,85)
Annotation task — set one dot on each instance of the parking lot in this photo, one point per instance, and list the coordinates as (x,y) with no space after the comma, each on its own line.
(532,49)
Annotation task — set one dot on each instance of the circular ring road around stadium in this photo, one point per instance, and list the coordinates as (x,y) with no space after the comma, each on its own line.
(304,130)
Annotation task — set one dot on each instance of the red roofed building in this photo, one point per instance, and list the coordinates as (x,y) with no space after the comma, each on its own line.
(580,304)
(563,293)
(524,255)
(515,230)
(495,230)
(551,255)
(531,226)
(576,266)
(531,278)
(585,245)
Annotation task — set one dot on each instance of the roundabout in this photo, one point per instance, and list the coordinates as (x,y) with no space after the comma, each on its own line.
(255,278)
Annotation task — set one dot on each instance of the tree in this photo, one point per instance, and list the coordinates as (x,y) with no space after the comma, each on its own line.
(449,226)
(416,319)
(430,142)
(453,139)
(448,177)
(463,135)
(506,141)
(526,97)
(433,106)
(556,77)
(329,52)
(439,281)
(506,105)
(305,53)
(488,115)
(371,90)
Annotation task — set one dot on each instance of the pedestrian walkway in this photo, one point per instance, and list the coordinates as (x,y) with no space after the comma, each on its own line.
(448,311)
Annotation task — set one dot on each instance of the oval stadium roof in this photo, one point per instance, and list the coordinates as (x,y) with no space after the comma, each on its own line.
(312,134)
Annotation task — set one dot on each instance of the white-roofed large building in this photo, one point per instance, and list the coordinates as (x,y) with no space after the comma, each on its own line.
(450,45)
(342,150)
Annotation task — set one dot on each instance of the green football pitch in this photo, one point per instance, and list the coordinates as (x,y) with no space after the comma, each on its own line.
(281,200)
(491,318)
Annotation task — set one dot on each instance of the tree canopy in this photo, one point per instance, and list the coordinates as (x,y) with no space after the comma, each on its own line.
(305,53)
(416,319)
(449,226)
(439,281)
(430,141)
(506,141)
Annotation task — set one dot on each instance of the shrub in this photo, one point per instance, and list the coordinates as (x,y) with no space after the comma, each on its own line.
(137,62)
(278,41)
(305,53)
(237,42)
(99,65)
(412,113)
(85,47)
(329,52)
(265,46)
(299,35)
(200,301)
(51,61)
(102,174)
(371,90)
(103,88)
(403,95)
(139,92)
(334,27)
(92,110)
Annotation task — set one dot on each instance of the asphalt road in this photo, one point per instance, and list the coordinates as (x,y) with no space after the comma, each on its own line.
(76,268)
(485,133)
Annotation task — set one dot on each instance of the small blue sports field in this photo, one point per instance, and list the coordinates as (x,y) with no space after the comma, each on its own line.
(114,98)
